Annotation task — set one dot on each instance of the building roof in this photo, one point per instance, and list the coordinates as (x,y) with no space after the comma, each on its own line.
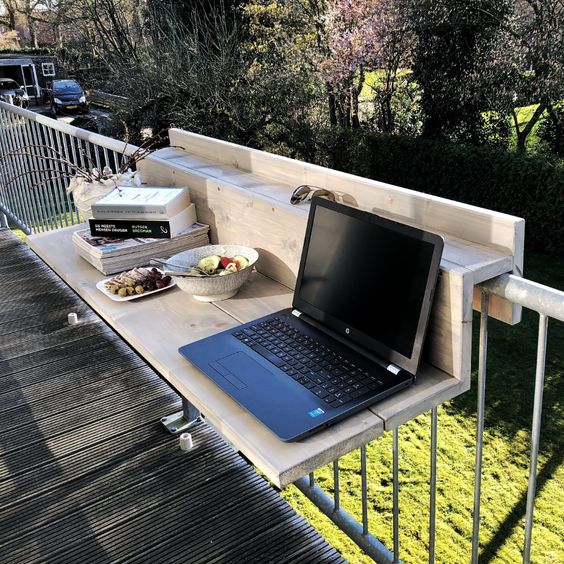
(10,62)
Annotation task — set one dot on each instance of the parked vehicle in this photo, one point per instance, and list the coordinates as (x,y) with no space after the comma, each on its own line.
(12,93)
(67,95)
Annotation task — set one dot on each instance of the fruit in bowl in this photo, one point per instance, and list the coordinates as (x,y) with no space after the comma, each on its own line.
(221,265)
(216,271)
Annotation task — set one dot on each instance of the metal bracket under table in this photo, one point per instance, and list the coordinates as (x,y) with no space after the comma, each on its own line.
(180,421)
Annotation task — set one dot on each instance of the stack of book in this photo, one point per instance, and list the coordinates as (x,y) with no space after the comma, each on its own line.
(131,225)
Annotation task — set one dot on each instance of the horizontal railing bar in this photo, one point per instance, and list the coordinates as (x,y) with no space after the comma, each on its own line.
(325,503)
(95,138)
(532,295)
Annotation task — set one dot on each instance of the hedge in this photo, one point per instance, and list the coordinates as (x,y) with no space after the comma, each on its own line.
(526,186)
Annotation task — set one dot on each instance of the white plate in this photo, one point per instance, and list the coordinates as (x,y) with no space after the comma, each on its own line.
(102,287)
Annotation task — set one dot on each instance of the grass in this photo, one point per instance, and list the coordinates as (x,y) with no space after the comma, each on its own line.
(18,232)
(373,79)
(510,384)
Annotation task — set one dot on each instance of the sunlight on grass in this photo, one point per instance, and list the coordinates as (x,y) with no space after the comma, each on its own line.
(372,80)
(18,233)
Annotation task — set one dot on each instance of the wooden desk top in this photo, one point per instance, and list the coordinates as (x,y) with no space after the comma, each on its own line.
(156,326)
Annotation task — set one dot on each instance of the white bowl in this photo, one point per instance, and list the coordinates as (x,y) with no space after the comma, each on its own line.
(211,288)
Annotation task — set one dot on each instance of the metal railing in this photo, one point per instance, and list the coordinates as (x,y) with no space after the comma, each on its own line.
(37,158)
(39,202)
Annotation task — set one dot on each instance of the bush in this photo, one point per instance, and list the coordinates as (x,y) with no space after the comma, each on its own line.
(528,187)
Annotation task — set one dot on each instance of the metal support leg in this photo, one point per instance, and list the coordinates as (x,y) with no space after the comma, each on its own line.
(3,221)
(182,420)
(535,436)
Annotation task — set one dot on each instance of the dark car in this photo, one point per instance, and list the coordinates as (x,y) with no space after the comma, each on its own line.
(67,95)
(13,93)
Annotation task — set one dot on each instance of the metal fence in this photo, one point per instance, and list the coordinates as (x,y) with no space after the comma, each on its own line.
(33,196)
(38,155)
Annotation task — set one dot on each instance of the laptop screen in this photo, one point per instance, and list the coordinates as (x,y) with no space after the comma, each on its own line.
(369,278)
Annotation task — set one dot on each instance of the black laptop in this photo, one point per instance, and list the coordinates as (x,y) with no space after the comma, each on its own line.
(354,333)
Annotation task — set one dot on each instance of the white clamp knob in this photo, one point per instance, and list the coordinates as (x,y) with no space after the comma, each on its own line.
(186,442)
(72,318)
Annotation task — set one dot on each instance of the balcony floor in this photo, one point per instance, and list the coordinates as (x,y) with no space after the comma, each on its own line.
(88,474)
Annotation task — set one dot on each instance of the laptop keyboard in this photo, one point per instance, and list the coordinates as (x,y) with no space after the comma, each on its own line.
(324,373)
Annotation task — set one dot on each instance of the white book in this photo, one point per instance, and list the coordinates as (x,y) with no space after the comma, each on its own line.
(144,202)
(152,228)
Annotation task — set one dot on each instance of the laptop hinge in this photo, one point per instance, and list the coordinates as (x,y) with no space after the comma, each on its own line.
(392,368)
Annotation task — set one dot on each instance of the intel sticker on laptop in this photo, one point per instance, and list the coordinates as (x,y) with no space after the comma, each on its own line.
(316,412)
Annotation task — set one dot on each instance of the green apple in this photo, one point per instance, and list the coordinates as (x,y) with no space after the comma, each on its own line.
(210,263)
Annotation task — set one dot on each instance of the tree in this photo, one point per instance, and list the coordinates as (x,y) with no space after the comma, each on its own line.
(287,102)
(454,63)
(363,36)
(551,131)
(538,31)
(8,15)
(29,8)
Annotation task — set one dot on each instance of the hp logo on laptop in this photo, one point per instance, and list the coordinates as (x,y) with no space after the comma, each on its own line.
(347,330)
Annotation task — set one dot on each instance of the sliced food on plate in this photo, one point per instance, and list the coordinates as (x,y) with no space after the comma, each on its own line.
(136,282)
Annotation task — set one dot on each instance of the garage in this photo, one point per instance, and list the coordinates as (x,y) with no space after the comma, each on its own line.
(22,70)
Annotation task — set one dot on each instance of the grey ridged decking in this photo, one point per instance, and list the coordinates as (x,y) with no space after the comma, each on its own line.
(87,473)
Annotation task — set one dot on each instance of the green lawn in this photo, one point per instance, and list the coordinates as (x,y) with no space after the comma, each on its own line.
(19,233)
(372,79)
(510,383)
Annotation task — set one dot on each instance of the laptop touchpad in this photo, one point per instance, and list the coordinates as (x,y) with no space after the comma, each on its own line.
(236,368)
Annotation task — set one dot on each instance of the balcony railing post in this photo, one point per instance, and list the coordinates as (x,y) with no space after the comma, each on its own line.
(364,486)
(535,435)
(480,424)
(32,181)
(395,512)
(433,485)
(336,490)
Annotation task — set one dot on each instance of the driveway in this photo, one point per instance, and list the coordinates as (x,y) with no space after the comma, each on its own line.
(94,112)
